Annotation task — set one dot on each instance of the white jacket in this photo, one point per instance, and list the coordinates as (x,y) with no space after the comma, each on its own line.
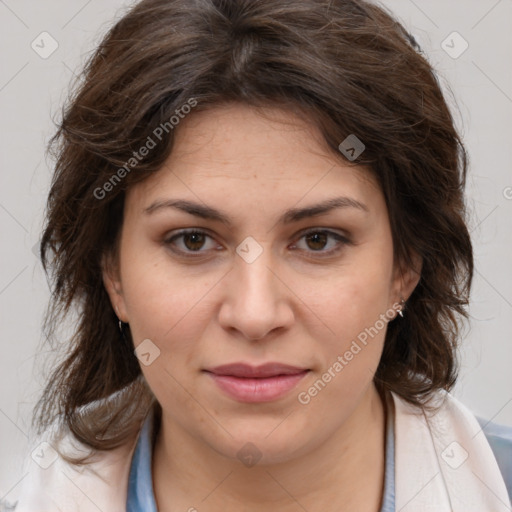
(443,463)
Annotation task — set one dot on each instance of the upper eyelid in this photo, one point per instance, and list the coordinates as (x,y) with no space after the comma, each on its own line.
(330,231)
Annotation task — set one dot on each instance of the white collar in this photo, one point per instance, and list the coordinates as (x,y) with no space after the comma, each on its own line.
(443,462)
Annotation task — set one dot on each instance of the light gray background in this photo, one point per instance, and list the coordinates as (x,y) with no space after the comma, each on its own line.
(32,90)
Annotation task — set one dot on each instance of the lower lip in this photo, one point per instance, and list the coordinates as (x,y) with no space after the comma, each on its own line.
(257,390)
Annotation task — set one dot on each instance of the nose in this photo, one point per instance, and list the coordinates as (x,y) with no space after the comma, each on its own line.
(256,301)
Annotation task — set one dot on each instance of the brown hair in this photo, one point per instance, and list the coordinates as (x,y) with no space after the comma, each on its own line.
(350,68)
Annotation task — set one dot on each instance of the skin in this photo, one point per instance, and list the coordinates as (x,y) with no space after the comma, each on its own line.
(294,304)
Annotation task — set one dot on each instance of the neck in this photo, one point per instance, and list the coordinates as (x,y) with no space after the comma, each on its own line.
(345,472)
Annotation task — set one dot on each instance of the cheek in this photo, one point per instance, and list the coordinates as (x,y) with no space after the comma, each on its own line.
(352,298)
(351,305)
(159,296)
(171,309)
(351,352)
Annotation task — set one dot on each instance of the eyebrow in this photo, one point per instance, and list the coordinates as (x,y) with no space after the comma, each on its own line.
(289,216)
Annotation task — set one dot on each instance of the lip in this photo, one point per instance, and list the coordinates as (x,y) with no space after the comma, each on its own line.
(265,383)
(257,372)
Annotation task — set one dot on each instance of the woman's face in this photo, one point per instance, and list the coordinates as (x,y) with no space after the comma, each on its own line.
(269,274)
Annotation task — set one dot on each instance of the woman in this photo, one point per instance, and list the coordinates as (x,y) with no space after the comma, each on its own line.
(258,213)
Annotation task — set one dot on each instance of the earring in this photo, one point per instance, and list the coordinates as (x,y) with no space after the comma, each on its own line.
(402,304)
(122,328)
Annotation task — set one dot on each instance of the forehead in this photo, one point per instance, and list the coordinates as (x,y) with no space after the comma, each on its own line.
(258,156)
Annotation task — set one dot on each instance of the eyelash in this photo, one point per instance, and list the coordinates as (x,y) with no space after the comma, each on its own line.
(321,253)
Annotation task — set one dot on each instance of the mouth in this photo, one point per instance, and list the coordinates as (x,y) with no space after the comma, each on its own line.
(246,383)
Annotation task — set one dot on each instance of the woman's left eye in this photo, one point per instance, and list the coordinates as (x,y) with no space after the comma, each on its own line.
(322,241)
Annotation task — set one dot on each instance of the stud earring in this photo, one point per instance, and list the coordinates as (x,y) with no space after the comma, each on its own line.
(402,306)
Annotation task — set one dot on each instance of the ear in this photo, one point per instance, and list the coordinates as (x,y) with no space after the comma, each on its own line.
(405,278)
(112,282)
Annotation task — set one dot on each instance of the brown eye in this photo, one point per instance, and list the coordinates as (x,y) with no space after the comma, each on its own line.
(193,241)
(188,242)
(323,242)
(317,240)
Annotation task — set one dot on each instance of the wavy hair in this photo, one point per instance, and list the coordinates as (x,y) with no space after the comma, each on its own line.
(346,65)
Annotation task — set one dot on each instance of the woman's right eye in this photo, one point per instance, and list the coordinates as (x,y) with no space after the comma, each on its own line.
(190,241)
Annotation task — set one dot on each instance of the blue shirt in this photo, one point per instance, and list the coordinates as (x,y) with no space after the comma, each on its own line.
(140,486)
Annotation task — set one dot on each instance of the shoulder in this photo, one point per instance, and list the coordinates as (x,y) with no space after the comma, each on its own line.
(50,483)
(449,419)
(499,438)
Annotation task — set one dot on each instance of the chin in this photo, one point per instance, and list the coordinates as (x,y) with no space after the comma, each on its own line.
(260,444)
